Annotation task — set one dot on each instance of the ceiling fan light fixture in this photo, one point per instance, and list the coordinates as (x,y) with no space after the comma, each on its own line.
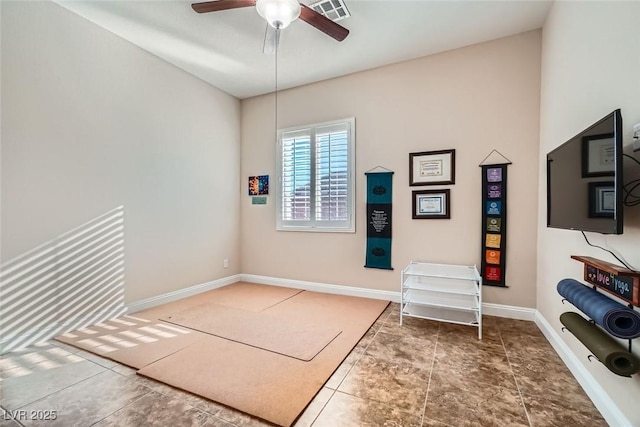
(278,13)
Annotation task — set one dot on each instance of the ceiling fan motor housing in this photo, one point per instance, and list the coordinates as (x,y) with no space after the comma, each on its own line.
(278,13)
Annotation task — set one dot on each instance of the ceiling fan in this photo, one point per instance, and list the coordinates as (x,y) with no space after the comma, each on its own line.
(278,14)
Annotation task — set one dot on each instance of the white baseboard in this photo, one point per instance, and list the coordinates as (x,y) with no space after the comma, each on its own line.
(509,311)
(607,407)
(179,294)
(498,310)
(322,287)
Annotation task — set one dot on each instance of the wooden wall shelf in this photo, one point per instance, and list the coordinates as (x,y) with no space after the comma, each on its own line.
(618,281)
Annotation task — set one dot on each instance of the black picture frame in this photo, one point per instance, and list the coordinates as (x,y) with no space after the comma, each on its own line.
(431,204)
(597,158)
(432,167)
(601,199)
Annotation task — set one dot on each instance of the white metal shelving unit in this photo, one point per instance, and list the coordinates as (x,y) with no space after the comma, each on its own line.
(444,292)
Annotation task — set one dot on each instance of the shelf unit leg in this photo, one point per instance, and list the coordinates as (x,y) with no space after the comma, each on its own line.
(401,297)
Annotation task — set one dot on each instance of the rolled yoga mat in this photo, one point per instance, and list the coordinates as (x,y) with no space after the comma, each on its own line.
(615,357)
(617,319)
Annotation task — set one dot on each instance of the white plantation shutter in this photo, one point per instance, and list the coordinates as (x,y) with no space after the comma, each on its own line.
(296,176)
(316,177)
(332,164)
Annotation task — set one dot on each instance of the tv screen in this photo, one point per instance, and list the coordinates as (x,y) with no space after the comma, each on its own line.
(584,179)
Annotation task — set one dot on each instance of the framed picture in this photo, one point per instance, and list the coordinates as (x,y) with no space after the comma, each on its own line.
(601,199)
(259,185)
(432,167)
(431,204)
(598,155)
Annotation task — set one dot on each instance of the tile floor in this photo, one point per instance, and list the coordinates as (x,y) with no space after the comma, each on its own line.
(423,373)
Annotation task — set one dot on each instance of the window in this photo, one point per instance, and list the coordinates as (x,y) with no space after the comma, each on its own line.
(316,184)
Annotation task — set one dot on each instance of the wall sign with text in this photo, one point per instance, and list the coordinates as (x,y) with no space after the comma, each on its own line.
(618,281)
(494,224)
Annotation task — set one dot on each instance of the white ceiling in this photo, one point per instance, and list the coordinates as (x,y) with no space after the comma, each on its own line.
(225,48)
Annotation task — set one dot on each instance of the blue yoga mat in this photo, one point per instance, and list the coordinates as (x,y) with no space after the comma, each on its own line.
(617,319)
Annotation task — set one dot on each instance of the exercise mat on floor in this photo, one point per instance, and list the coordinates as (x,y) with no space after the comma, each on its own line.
(265,384)
(131,340)
(612,355)
(616,318)
(301,339)
(262,383)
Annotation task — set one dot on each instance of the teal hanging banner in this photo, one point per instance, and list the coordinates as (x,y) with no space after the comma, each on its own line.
(379,198)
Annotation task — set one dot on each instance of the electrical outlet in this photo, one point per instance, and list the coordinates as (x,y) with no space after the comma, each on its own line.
(225,263)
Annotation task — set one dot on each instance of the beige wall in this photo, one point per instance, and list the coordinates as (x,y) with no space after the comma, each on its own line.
(590,66)
(474,99)
(90,123)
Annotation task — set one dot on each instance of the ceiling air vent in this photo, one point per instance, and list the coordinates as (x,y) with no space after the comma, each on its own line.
(332,9)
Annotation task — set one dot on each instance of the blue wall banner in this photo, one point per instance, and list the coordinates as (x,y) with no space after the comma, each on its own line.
(379,203)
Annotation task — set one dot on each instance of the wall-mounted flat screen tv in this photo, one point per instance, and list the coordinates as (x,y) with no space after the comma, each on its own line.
(584,179)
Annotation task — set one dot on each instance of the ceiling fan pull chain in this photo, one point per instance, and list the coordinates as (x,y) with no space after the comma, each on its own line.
(276,81)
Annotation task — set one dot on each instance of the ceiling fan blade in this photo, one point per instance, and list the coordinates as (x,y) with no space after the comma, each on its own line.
(214,6)
(323,23)
(272,38)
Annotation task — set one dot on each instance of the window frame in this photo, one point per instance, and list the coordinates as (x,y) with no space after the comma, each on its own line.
(313,225)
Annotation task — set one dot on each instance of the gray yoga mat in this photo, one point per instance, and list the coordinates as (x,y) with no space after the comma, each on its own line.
(612,354)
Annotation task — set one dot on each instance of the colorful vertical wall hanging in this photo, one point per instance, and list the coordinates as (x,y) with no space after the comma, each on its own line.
(379,203)
(494,222)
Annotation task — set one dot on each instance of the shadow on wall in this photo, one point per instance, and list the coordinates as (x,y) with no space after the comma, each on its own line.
(75,280)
